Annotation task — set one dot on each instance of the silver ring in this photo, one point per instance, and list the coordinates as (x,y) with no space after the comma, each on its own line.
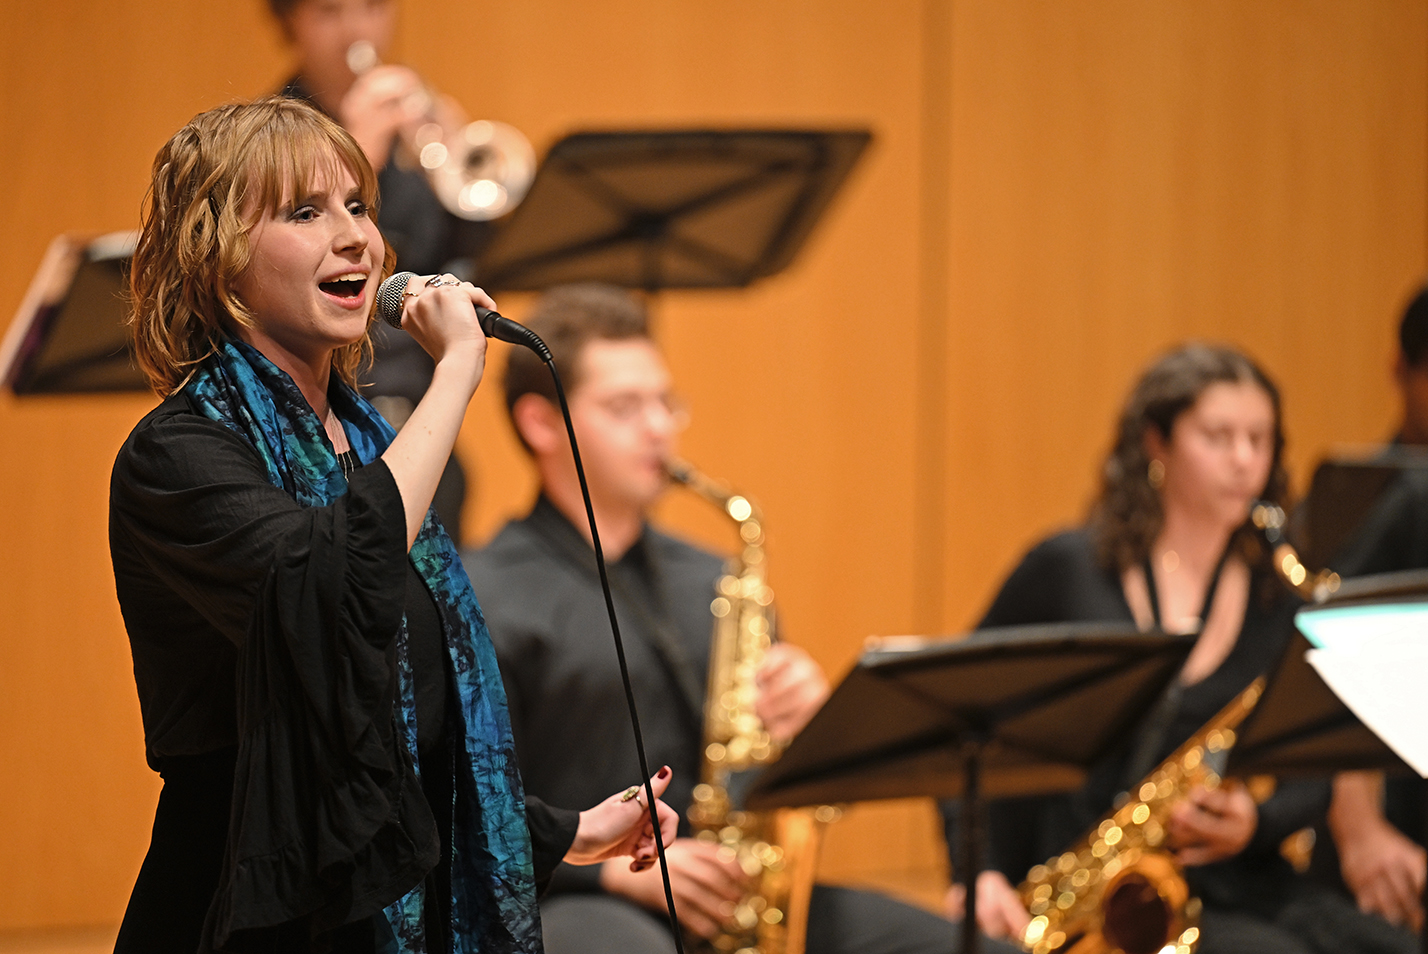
(436,281)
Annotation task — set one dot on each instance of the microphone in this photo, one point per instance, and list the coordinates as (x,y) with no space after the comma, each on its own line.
(389,308)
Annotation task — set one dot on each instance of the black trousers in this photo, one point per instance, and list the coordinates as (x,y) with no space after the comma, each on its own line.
(840,921)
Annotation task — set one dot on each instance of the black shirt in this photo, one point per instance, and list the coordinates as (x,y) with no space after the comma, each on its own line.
(568,708)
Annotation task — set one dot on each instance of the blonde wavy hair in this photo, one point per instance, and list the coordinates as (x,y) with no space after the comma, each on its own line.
(212,182)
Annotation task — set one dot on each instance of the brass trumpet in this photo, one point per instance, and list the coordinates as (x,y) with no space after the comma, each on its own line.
(479,171)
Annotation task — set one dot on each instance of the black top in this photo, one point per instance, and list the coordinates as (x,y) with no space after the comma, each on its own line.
(568,709)
(209,555)
(1060,580)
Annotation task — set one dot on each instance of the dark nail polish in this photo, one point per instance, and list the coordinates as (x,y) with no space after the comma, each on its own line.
(663,772)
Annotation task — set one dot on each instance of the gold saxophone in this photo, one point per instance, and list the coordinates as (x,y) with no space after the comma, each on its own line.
(777,850)
(1118,890)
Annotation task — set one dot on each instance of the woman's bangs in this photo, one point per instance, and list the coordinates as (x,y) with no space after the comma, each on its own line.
(298,160)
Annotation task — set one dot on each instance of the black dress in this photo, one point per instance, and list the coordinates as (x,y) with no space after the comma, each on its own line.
(200,539)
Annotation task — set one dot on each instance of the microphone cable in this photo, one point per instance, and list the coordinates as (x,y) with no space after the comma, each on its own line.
(389,307)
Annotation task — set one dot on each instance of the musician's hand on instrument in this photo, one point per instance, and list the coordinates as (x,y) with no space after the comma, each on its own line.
(1212,824)
(381,102)
(792,688)
(1384,870)
(620,826)
(706,887)
(1000,912)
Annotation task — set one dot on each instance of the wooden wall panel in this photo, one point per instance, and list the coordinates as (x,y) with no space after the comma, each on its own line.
(1128,176)
(1056,193)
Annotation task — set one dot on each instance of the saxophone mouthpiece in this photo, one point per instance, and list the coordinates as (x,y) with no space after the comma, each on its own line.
(678,470)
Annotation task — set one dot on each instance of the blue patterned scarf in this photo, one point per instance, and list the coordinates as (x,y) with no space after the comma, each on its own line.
(493,885)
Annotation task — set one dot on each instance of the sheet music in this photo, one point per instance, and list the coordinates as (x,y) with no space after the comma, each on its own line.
(1374,659)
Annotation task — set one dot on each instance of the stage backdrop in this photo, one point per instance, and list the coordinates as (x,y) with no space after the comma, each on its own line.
(1056,193)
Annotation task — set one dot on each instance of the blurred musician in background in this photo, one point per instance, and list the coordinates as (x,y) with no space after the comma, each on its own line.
(1370,855)
(338,45)
(1168,544)
(567,703)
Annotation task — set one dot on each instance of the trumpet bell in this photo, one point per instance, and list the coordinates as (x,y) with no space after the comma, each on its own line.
(482,171)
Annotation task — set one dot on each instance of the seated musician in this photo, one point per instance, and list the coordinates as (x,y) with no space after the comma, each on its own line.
(1378,825)
(1168,544)
(567,705)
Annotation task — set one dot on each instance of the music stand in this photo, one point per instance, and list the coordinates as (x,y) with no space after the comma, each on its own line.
(1354,513)
(1300,727)
(68,336)
(1010,711)
(670,208)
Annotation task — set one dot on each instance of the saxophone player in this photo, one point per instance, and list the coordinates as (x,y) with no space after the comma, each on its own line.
(546,614)
(1169,544)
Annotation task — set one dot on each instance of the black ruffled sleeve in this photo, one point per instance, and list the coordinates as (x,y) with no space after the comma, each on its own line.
(552,833)
(328,821)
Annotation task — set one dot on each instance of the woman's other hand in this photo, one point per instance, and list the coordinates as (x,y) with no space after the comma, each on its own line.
(620,826)
(1212,824)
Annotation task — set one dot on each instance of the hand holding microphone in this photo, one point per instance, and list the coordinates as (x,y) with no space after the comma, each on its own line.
(403,289)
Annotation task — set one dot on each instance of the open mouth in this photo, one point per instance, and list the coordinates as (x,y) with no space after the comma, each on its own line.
(345,288)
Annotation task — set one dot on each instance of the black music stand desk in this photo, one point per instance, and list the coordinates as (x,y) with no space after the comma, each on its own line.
(1300,726)
(69,335)
(670,208)
(1009,711)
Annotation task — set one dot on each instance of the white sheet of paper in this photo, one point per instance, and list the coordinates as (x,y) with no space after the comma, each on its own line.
(1346,627)
(1382,681)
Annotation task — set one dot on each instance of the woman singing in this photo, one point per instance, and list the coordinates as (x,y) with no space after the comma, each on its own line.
(1169,545)
(317,684)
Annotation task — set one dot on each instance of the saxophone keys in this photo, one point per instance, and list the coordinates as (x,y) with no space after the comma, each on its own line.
(1141,814)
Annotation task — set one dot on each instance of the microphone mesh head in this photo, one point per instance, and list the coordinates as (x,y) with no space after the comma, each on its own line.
(389,298)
